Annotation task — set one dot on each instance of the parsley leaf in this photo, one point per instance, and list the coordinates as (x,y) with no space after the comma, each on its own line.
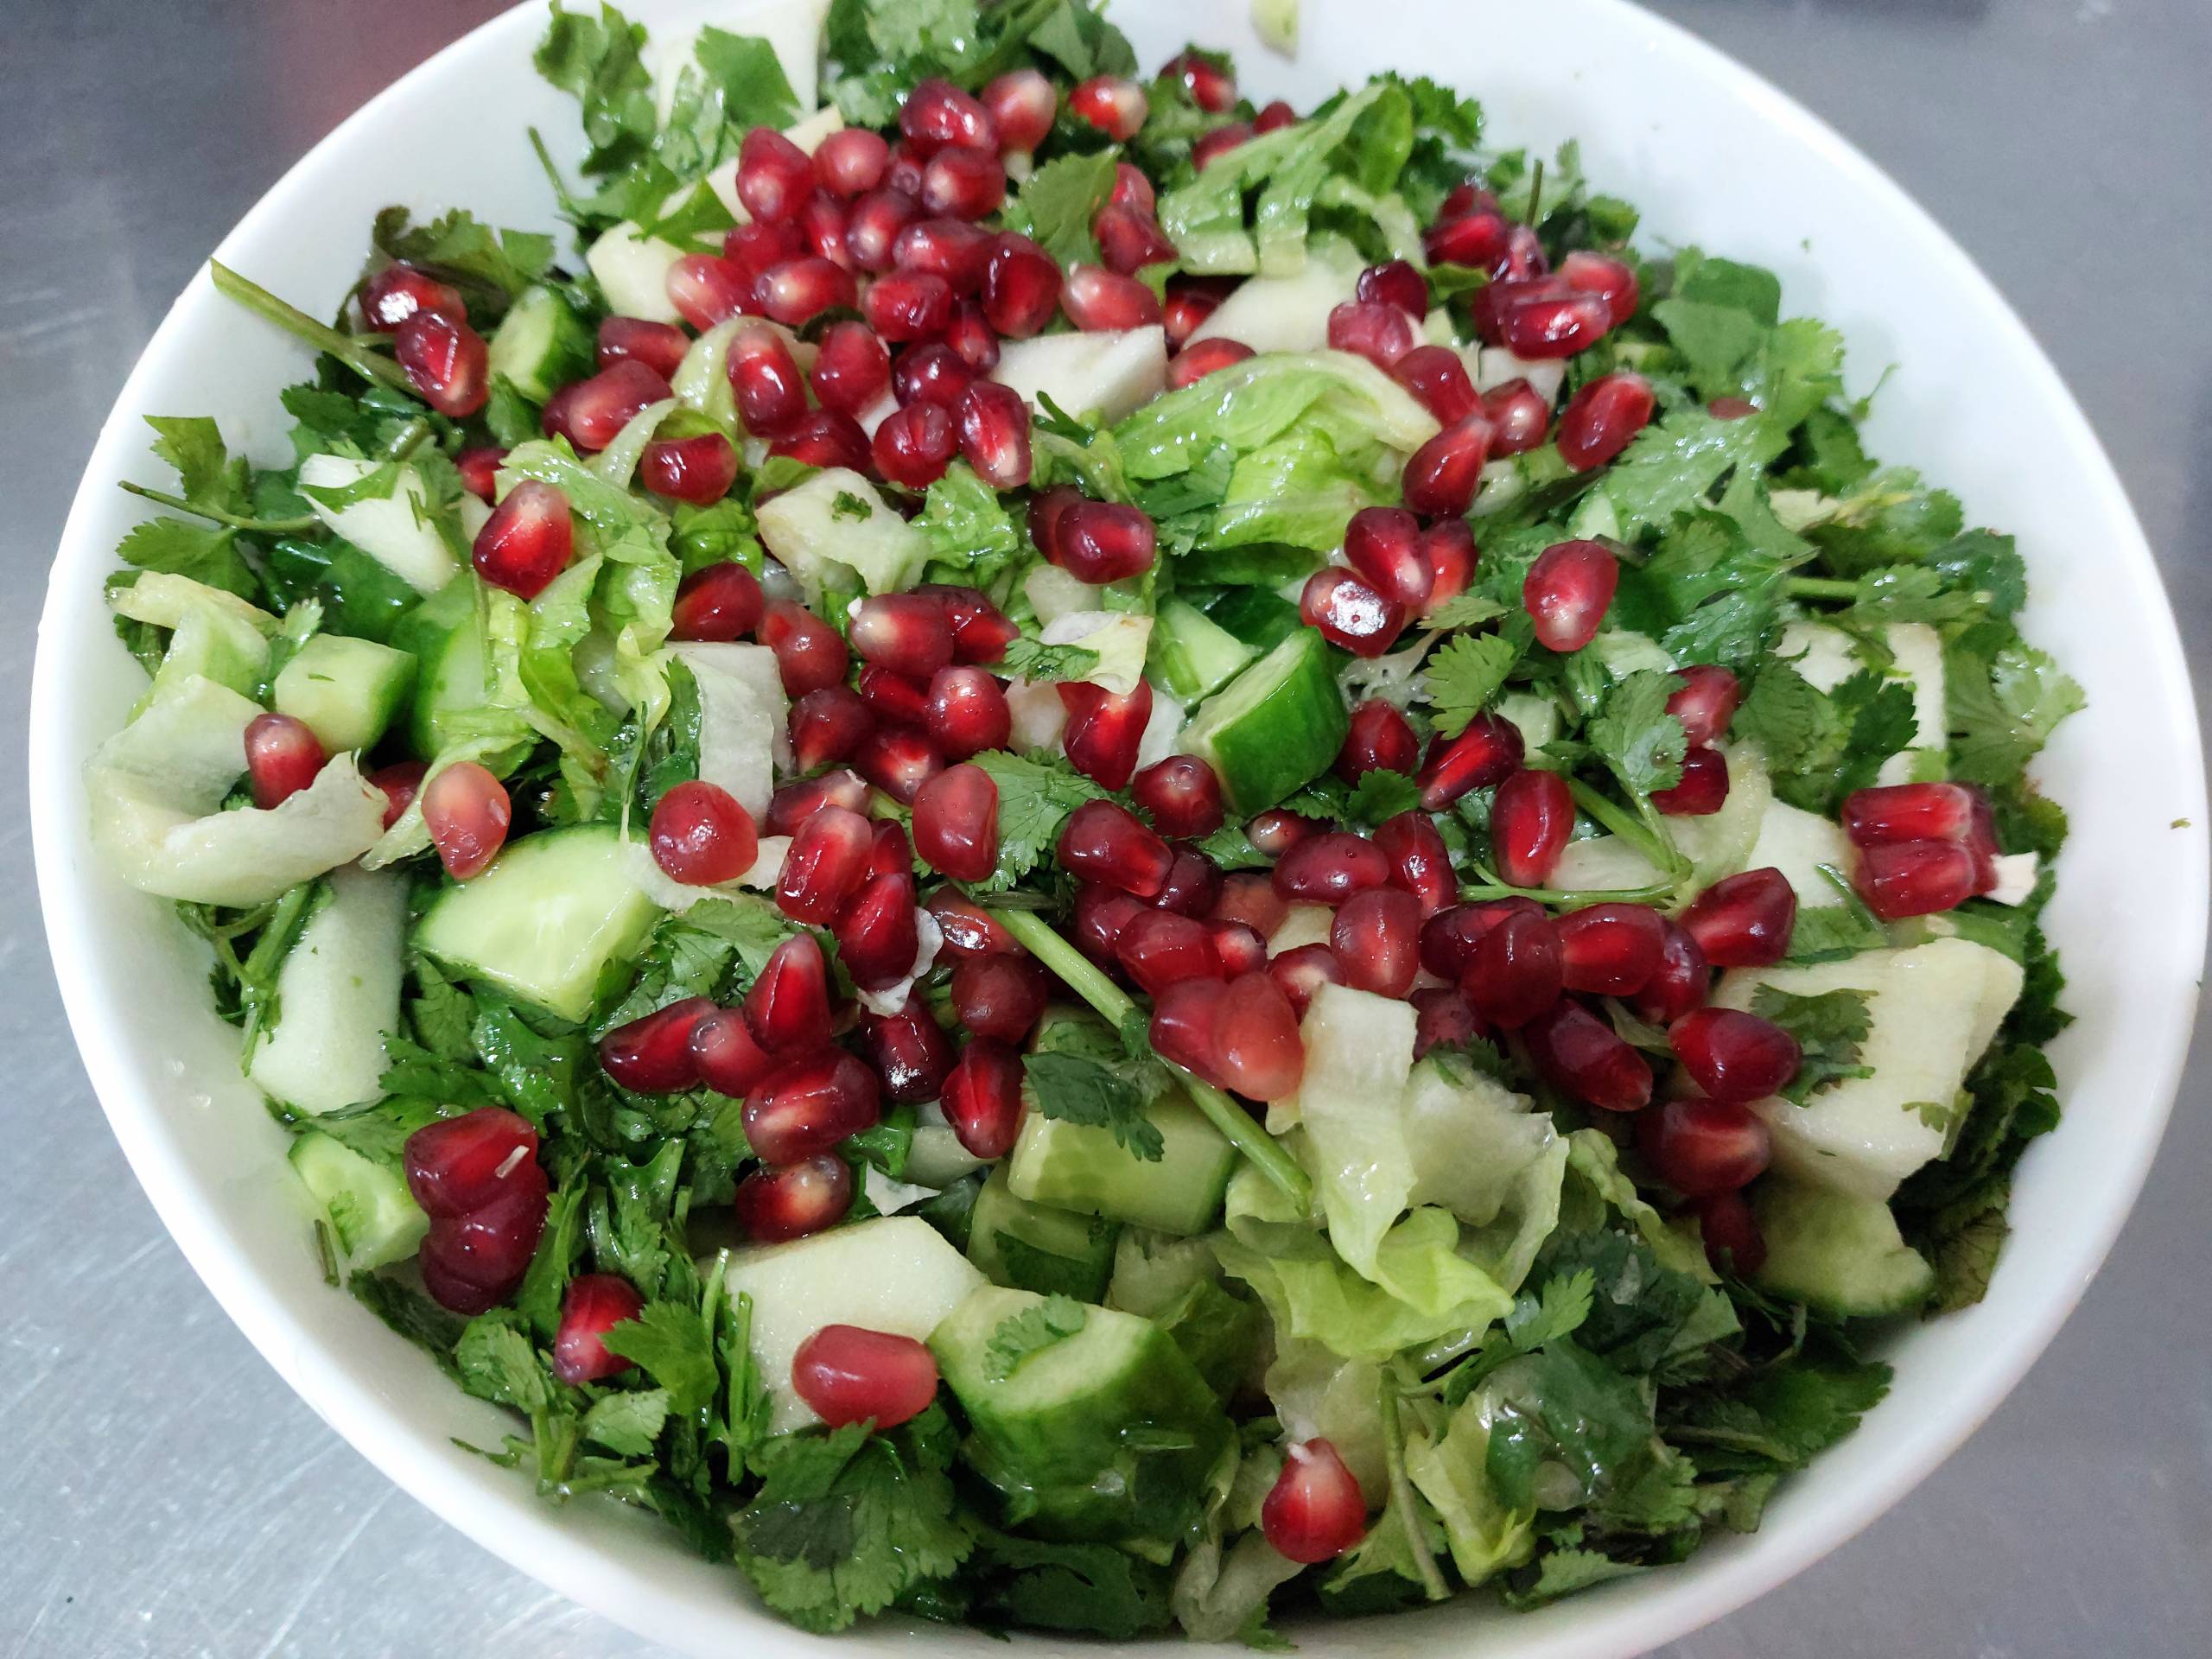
(1029,1333)
(1463,676)
(1828,1027)
(1639,741)
(1035,797)
(1077,1090)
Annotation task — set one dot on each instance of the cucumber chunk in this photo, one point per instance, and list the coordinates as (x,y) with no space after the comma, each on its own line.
(541,345)
(1259,616)
(1077,1167)
(399,531)
(446,639)
(632,270)
(346,691)
(1837,1253)
(546,919)
(1032,1247)
(1109,1434)
(1193,655)
(337,997)
(1276,727)
(373,1217)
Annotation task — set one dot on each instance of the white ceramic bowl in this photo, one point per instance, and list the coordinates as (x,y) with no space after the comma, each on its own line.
(1712,156)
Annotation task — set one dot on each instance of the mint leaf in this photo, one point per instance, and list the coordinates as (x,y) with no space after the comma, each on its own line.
(1029,1333)
(1076,1090)
(1829,1028)
(1462,677)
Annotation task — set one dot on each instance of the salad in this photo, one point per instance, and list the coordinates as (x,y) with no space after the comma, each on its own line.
(1067,854)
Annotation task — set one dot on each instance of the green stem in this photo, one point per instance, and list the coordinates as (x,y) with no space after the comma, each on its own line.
(1658,892)
(235,521)
(1081,975)
(321,335)
(1650,841)
(408,439)
(1820,588)
(1401,1496)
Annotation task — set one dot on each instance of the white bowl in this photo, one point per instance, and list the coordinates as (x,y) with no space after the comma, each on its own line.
(1713,155)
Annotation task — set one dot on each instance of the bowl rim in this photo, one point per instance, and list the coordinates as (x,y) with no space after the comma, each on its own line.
(520,1529)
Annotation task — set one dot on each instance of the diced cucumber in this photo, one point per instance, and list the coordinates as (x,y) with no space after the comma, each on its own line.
(1109,1434)
(373,1216)
(1275,21)
(1100,374)
(337,997)
(1835,1253)
(893,1274)
(1288,312)
(1077,1167)
(632,270)
(1302,924)
(1219,1333)
(541,345)
(1152,1271)
(1716,843)
(1535,718)
(1624,651)
(1258,616)
(546,919)
(835,517)
(1276,727)
(445,637)
(1053,594)
(1194,655)
(936,1158)
(348,690)
(1032,1247)
(399,531)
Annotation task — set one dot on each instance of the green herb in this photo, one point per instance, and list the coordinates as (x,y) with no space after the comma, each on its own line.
(1463,676)
(1079,1091)
(1829,1028)
(1019,1336)
(1035,797)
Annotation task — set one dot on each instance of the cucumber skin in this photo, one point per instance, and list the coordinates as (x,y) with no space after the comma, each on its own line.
(1078,1167)
(1837,1253)
(1085,1243)
(541,345)
(374,1218)
(346,691)
(441,634)
(1195,655)
(1258,616)
(1269,737)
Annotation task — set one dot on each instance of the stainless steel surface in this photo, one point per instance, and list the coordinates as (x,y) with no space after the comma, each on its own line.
(167,1496)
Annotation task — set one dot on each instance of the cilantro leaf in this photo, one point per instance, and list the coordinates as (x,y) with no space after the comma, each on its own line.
(1077,1089)
(1468,610)
(202,552)
(1462,677)
(1828,1027)
(1029,1333)
(1562,1572)
(669,1342)
(1832,932)
(1673,465)
(1059,201)
(1035,797)
(1380,796)
(1793,723)
(1095,1588)
(2003,708)
(1640,742)
(627,1423)
(458,248)
(1557,1311)
(498,1363)
(1033,660)
(206,474)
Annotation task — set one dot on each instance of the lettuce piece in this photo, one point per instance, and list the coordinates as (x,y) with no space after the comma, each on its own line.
(1253,403)
(1594,1158)
(1319,1393)
(1485,1534)
(1205,217)
(560,617)
(213,634)
(1302,490)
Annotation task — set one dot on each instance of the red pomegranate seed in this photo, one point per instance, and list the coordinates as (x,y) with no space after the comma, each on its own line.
(1277,115)
(982,1098)
(1113,103)
(1895,812)
(1680,983)
(809,653)
(937,113)
(1103,841)
(825,437)
(1707,704)
(1583,1055)
(527,541)
(1202,358)
(823,866)
(447,362)
(1442,475)
(899,760)
(852,370)
(1193,885)
(702,835)
(1443,1018)
(1744,920)
(1383,544)
(1315,1511)
(593,1305)
(822,223)
(1377,936)
(847,1375)
(1348,612)
(699,470)
(893,696)
(787,1010)
(475,1262)
(1463,198)
(400,291)
(465,809)
(1567,593)
(904,305)
(1187,305)
(1704,788)
(878,937)
(1733,1243)
(994,435)
(971,338)
(932,373)
(1449,547)
(1211,87)
(1448,938)
(479,470)
(760,245)
(1101,541)
(1420,864)
(1132,189)
(726,1055)
(890,853)
(1103,731)
(963,183)
(1250,898)
(981,632)
(1275,831)
(1046,509)
(968,929)
(800,290)
(957,823)
(1130,239)
(1899,878)
(905,632)
(871,228)
(1381,333)
(794,804)
(909,1051)
(1257,1050)
(771,394)
(458,1166)
(1181,795)
(1378,739)
(1022,104)
(1487,307)
(1394,283)
(1210,147)
(1600,419)
(1611,949)
(1328,869)
(1000,997)
(773,1205)
(950,247)
(915,444)
(1485,753)
(1544,325)
(808,1105)
(1703,1149)
(1437,376)
(722,602)
(1159,948)
(652,1055)
(1098,300)
(775,176)
(1101,913)
(904,173)
(1519,417)
(1480,238)
(400,781)
(1241,949)
(1733,1057)
(850,161)
(591,412)
(1609,278)
(706,289)
(281,758)
(967,713)
(1513,972)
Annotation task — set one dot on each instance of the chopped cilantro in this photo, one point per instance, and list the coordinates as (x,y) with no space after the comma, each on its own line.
(1078,1090)
(1021,1336)
(1829,1028)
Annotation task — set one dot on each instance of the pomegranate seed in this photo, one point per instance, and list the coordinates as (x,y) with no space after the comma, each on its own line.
(1098,300)
(1210,147)
(1543,326)
(720,602)
(447,362)
(893,696)
(1250,898)
(968,929)
(593,1305)
(760,245)
(1733,1243)
(994,435)
(872,225)
(1519,417)
(1567,593)
(1443,1018)
(878,938)
(1130,239)
(1582,1054)
(1211,87)
(1442,475)
(937,114)
(787,1010)
(1113,103)
(1524,254)
(972,339)
(1394,283)
(904,173)
(1181,795)
(1159,948)
(1193,885)
(809,1104)
(400,292)
(1383,545)
(794,804)
(963,183)
(1437,376)
(1256,1051)
(1915,878)
(1277,115)
(1706,703)
(1703,1149)
(1449,547)
(1611,949)
(1463,198)
(1103,841)
(725,1054)
(1201,358)
(905,632)
(1046,509)
(1680,983)
(281,758)
(1448,938)
(809,653)
(889,852)
(899,760)
(458,1166)
(1187,305)
(1600,419)
(825,437)
(706,290)
(852,370)
(957,823)
(1001,997)
(1132,189)
(950,247)
(967,713)
(1479,239)
(1103,731)
(1241,949)
(1021,104)
(1300,971)
(1488,306)
(1275,831)
(702,835)
(1744,920)
(932,373)
(775,1205)
(1876,817)
(847,1375)
(1348,612)
(800,290)
(909,1051)
(775,176)
(1101,913)
(1703,790)
(915,444)
(822,224)
(1313,1512)
(465,808)
(770,393)
(1377,936)
(1100,542)
(1485,753)
(1420,864)
(1735,1058)
(475,1262)
(400,781)
(527,541)
(905,305)
(823,866)
(699,470)
(1378,739)
(1609,278)
(982,1098)
(479,470)
(1381,333)
(1513,972)
(849,161)
(1328,869)
(981,632)
(651,1055)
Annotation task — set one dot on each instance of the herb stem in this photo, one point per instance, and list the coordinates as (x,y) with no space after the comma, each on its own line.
(1077,973)
(1401,1496)
(216,515)
(1639,831)
(355,356)
(408,439)
(1820,588)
